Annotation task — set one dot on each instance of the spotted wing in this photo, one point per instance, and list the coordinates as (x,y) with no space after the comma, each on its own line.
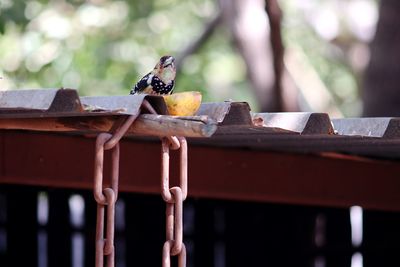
(141,85)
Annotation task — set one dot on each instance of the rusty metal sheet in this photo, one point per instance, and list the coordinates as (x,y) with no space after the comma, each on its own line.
(227,113)
(236,174)
(52,100)
(374,147)
(300,122)
(369,127)
(249,132)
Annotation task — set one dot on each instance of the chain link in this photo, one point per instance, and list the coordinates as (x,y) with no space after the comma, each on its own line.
(174,197)
(107,196)
(165,158)
(166,254)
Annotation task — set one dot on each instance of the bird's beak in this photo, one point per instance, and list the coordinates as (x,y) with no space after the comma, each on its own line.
(169,62)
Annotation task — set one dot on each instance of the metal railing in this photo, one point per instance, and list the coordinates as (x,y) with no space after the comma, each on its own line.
(264,234)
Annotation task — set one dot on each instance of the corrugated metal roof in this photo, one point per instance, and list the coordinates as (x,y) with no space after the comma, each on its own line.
(225,155)
(228,124)
(66,103)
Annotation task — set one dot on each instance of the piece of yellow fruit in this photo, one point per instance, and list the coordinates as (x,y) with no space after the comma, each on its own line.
(183,104)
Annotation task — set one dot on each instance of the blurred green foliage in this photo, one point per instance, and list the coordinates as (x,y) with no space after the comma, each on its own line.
(103,47)
(334,36)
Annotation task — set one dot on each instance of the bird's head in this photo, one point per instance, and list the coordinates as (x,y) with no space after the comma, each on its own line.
(165,69)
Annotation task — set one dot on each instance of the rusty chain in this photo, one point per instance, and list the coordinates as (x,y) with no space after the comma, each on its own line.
(174,197)
(107,196)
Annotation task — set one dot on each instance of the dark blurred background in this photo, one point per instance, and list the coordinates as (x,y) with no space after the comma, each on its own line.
(337,56)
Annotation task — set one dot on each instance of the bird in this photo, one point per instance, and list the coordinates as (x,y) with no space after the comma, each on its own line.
(160,81)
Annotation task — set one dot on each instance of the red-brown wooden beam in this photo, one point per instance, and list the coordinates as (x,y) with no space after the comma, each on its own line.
(225,173)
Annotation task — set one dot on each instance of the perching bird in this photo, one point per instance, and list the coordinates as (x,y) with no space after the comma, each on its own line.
(160,81)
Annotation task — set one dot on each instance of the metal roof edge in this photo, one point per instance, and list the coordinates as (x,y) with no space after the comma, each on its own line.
(127,104)
(300,122)
(227,113)
(367,127)
(33,103)
(39,100)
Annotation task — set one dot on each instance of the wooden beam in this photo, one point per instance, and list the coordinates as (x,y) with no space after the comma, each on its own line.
(145,124)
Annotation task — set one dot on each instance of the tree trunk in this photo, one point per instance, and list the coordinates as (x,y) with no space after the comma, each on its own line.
(249,25)
(285,88)
(381,93)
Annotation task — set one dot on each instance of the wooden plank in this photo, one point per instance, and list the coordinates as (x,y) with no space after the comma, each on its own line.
(145,124)
(234,174)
